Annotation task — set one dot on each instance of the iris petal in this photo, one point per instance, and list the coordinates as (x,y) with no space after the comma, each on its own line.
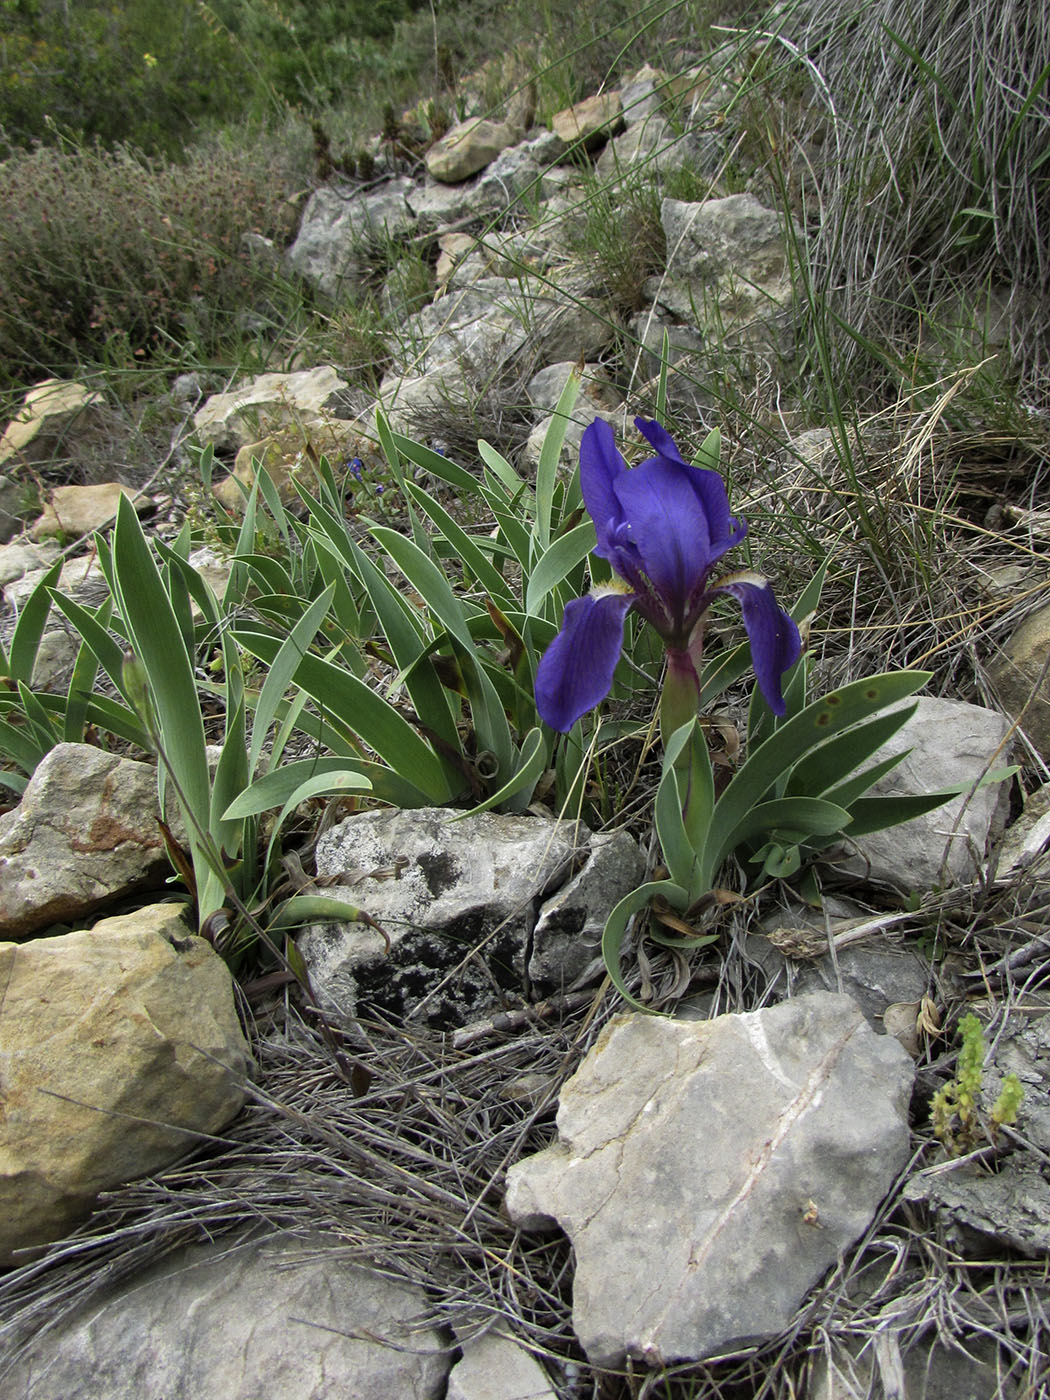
(661,439)
(576,671)
(668,528)
(600,466)
(724,530)
(775,643)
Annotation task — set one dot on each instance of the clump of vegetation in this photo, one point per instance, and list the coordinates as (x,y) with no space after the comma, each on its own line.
(956,1108)
(930,150)
(622,236)
(111,247)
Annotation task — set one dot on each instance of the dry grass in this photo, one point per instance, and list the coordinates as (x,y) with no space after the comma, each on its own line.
(931,176)
(408,1177)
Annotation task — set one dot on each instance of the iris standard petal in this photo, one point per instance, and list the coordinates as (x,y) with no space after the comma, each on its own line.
(576,671)
(659,438)
(668,528)
(724,530)
(600,466)
(775,643)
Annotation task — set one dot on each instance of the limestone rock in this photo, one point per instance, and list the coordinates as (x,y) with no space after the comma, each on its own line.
(457,898)
(926,1370)
(950,742)
(1010,1206)
(54,661)
(13,507)
(74,511)
(516,169)
(496,1368)
(285,458)
(435,205)
(17,560)
(793,952)
(1020,682)
(268,403)
(642,94)
(270,1319)
(467,148)
(119,1048)
(653,143)
(453,248)
(583,416)
(48,413)
(545,387)
(1022,1047)
(84,832)
(726,264)
(340,227)
(568,934)
(727,1161)
(591,121)
(648,329)
(81,578)
(597,399)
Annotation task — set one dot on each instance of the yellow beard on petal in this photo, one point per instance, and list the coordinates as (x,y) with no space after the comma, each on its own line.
(614,585)
(744,576)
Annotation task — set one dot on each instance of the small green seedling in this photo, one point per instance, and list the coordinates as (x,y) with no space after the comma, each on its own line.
(956,1108)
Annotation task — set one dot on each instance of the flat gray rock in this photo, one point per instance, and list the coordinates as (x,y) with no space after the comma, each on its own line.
(1010,1206)
(496,1368)
(120,1049)
(273,1319)
(459,900)
(709,1173)
(337,228)
(950,742)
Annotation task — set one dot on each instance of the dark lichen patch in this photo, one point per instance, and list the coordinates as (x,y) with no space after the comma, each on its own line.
(440,872)
(435,980)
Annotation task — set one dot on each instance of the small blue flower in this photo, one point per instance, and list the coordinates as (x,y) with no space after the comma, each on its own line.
(355,467)
(663,526)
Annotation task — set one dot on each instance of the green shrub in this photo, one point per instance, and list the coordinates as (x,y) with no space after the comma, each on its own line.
(98,247)
(61,69)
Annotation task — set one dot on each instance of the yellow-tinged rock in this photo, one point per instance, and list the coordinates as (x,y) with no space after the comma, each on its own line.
(74,511)
(48,409)
(590,121)
(120,1050)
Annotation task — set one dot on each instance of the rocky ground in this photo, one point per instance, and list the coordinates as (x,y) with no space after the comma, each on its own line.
(464,1170)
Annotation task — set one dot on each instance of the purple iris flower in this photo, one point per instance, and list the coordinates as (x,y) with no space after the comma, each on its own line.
(663,526)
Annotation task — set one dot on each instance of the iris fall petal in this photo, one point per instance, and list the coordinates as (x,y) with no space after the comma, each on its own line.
(774,638)
(576,671)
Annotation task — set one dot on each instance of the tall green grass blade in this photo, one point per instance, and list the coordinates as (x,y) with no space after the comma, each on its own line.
(407,637)
(366,714)
(502,474)
(550,455)
(826,767)
(282,672)
(818,722)
(798,817)
(516,794)
(466,549)
(81,683)
(157,641)
(661,383)
(709,451)
(393,457)
(441,467)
